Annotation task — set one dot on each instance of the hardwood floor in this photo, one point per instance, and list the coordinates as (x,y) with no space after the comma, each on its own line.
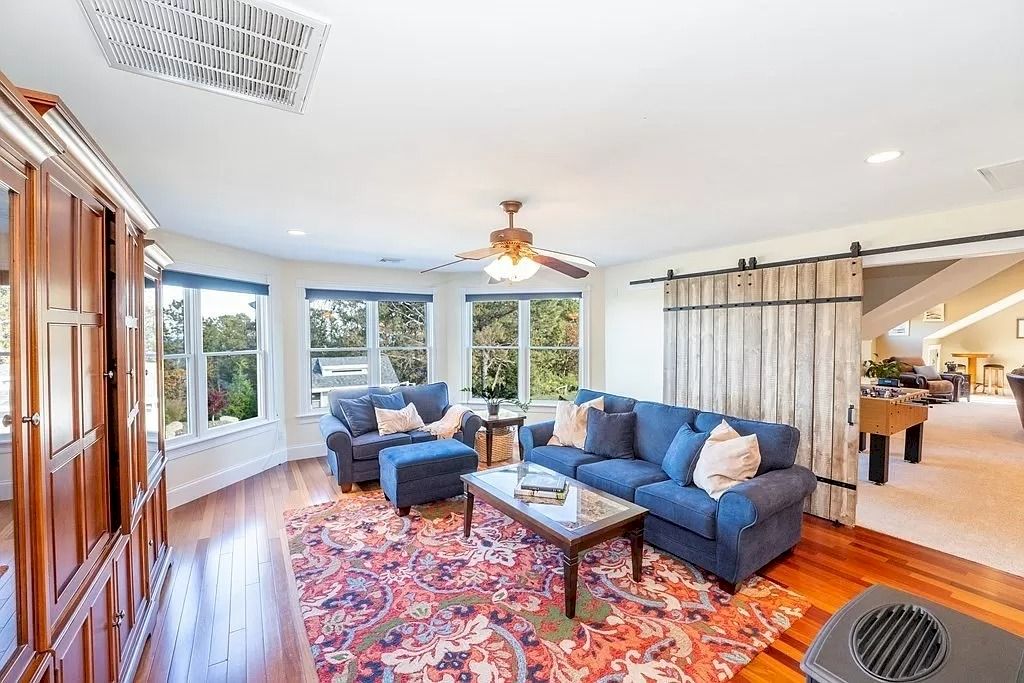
(228,611)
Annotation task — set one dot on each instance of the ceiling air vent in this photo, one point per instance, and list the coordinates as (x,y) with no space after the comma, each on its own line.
(1004,176)
(252,50)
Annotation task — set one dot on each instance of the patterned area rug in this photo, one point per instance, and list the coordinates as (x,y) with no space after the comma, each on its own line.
(388,598)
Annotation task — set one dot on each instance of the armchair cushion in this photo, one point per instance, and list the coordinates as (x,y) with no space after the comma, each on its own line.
(431,400)
(927,371)
(686,506)
(940,387)
(620,477)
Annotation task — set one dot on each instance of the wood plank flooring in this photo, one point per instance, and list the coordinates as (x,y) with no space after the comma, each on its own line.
(229,613)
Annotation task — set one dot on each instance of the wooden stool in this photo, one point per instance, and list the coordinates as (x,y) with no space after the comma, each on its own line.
(993,375)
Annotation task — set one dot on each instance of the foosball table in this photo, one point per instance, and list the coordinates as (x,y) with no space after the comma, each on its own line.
(885,411)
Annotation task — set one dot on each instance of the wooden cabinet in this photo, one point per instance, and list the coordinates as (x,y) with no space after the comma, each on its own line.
(88,552)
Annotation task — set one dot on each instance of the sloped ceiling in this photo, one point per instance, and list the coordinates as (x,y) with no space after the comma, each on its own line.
(630,129)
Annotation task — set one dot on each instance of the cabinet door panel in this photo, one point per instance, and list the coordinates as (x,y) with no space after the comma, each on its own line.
(123,597)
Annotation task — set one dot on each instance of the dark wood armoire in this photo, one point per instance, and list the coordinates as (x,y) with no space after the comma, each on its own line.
(83,510)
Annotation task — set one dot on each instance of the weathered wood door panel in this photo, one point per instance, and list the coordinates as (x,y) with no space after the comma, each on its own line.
(778,344)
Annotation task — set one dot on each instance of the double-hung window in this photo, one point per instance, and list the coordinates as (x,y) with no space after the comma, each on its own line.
(360,338)
(214,353)
(527,346)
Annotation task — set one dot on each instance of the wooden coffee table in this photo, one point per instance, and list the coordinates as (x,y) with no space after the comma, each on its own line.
(587,517)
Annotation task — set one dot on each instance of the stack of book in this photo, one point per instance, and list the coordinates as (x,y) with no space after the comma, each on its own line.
(542,488)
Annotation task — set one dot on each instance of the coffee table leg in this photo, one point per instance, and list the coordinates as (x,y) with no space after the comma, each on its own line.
(467,521)
(570,572)
(636,544)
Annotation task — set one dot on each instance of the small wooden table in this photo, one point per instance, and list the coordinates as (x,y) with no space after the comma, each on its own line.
(882,417)
(972,365)
(504,418)
(587,517)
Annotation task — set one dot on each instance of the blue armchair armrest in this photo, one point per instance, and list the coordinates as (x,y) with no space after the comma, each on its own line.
(471,424)
(531,436)
(336,434)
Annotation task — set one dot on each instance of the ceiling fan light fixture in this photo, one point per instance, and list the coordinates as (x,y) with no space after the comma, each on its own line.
(505,268)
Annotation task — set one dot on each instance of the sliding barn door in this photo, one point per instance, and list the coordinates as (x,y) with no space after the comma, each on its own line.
(778,344)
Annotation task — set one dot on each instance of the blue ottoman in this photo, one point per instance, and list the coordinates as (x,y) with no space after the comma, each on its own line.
(423,472)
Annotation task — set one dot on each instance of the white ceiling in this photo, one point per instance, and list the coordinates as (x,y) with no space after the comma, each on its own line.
(630,129)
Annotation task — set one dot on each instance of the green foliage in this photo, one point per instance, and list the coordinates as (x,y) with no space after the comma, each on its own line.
(882,369)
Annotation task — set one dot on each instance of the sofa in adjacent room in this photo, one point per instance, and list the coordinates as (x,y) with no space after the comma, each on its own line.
(353,457)
(750,525)
(915,373)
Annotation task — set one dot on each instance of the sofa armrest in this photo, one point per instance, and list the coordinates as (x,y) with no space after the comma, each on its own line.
(337,435)
(471,424)
(759,498)
(913,380)
(531,436)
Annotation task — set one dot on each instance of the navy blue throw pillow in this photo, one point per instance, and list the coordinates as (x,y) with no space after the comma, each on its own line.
(358,414)
(388,401)
(610,435)
(682,454)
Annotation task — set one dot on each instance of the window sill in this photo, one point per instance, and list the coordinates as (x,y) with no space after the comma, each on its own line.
(535,407)
(223,435)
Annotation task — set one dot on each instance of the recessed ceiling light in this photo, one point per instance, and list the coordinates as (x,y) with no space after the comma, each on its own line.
(297,233)
(882,157)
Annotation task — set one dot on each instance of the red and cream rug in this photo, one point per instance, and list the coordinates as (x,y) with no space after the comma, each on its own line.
(388,598)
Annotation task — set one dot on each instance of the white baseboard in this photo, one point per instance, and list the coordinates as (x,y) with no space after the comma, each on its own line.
(197,488)
(307,450)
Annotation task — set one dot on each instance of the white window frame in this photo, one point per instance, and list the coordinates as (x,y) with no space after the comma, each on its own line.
(373,348)
(196,367)
(523,346)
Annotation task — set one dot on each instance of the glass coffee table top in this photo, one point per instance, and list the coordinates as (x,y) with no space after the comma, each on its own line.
(583,506)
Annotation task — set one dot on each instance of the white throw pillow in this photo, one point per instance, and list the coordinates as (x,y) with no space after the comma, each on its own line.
(571,422)
(394,421)
(726,460)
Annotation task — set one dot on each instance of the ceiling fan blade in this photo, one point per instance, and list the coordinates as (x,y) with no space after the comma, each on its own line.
(571,258)
(559,265)
(478,254)
(443,265)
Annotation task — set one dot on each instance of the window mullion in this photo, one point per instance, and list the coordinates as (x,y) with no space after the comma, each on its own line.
(524,350)
(199,396)
(373,343)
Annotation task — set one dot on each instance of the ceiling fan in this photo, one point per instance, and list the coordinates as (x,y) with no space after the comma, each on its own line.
(517,258)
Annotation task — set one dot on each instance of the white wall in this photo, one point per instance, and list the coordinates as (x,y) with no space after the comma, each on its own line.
(292,431)
(633,315)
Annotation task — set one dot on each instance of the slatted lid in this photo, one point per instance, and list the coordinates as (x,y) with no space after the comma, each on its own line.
(248,49)
(900,643)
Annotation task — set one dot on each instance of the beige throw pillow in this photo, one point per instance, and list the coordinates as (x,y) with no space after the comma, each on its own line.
(394,421)
(726,460)
(571,422)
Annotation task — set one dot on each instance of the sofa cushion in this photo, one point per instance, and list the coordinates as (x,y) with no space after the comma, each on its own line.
(621,477)
(367,446)
(685,506)
(418,436)
(610,435)
(358,414)
(940,386)
(682,455)
(393,401)
(927,371)
(612,403)
(656,426)
(431,400)
(777,442)
(727,459)
(561,459)
(428,459)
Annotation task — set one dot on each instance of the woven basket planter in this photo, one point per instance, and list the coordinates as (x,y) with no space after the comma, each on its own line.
(504,444)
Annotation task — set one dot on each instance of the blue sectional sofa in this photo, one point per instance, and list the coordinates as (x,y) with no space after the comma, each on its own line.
(752,523)
(354,458)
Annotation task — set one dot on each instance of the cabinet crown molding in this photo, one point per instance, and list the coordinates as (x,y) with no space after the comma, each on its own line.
(23,127)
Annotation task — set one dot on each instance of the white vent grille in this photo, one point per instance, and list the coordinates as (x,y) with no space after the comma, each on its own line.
(1004,176)
(252,49)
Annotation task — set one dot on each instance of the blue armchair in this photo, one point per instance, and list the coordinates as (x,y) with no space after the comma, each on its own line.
(750,525)
(353,459)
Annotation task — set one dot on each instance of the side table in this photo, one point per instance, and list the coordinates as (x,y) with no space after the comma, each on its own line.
(504,418)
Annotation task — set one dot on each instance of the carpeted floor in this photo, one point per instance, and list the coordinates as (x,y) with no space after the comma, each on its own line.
(966,496)
(387,598)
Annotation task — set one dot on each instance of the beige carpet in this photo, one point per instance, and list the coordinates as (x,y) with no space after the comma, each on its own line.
(966,496)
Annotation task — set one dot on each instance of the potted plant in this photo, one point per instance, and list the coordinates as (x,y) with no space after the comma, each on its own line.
(495,393)
(887,372)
